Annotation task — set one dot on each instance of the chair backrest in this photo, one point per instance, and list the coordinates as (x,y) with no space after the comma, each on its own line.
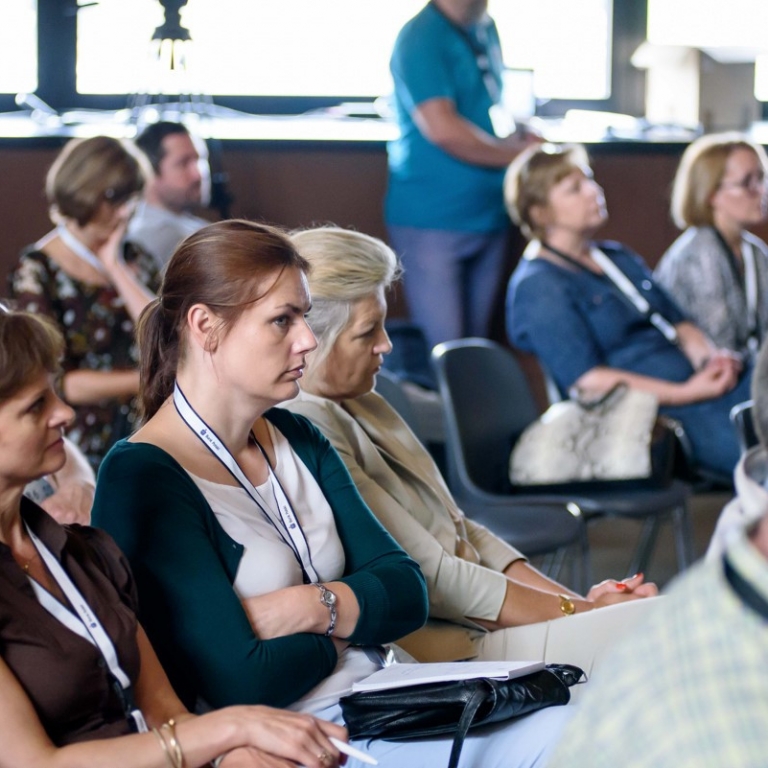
(743,422)
(409,358)
(487,404)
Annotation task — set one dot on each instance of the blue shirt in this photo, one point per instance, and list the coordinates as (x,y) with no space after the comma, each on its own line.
(574,320)
(428,188)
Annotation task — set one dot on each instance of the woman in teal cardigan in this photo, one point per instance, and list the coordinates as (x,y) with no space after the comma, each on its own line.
(262,575)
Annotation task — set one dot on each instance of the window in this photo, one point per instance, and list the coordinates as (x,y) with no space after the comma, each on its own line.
(322,48)
(18,47)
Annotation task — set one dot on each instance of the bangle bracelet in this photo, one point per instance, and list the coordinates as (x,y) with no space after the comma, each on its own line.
(174,750)
(167,754)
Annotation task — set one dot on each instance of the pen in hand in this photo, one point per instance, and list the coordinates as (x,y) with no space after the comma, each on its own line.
(342,746)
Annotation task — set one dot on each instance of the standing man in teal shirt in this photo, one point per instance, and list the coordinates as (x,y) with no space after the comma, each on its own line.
(444,207)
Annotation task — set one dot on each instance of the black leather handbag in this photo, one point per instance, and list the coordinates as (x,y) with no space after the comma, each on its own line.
(453,707)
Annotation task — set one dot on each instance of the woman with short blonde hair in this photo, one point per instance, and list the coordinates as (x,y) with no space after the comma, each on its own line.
(475,580)
(92,284)
(717,271)
(594,317)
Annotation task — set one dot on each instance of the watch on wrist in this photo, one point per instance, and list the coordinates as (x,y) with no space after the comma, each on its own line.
(328,599)
(567,605)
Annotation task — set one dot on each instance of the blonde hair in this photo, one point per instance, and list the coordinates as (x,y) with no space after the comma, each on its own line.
(88,172)
(700,172)
(346,266)
(531,176)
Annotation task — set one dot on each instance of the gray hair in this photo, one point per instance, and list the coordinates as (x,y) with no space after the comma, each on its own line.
(346,266)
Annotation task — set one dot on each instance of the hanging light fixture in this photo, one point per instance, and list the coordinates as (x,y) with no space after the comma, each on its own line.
(172,93)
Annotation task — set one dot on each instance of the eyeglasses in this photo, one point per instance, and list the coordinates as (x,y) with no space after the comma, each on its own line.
(753,182)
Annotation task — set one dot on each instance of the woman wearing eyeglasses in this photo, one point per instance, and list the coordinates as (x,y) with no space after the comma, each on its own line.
(83,277)
(716,270)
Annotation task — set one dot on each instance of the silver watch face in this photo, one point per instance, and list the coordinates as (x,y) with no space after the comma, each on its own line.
(328,598)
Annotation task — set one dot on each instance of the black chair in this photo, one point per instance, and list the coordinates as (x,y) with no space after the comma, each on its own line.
(743,422)
(487,404)
(522,532)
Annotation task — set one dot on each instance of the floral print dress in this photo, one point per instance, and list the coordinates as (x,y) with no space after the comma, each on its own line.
(99,336)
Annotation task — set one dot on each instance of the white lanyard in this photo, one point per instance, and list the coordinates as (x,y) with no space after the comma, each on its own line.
(80,249)
(627,287)
(750,290)
(85,624)
(288,522)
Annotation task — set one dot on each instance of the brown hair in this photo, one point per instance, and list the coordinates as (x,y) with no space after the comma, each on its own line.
(88,172)
(700,172)
(224,266)
(531,176)
(29,344)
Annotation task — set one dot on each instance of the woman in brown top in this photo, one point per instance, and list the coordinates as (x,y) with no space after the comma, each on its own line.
(79,682)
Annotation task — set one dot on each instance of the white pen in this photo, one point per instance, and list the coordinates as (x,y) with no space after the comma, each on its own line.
(347,749)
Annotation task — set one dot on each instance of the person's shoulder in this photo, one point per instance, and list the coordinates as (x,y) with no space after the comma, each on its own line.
(295,426)
(428,22)
(135,459)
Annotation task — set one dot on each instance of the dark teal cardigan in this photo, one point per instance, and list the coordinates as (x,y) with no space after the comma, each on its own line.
(185,564)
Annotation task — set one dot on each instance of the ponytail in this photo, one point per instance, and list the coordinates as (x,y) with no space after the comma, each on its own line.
(158,339)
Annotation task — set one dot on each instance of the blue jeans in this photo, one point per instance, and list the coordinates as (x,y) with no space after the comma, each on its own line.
(708,426)
(450,279)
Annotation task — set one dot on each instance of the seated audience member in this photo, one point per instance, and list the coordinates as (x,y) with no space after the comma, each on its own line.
(476,582)
(83,276)
(592,314)
(263,576)
(717,271)
(78,677)
(180,184)
(66,495)
(688,688)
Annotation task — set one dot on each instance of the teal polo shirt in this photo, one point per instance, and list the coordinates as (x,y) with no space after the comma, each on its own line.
(428,188)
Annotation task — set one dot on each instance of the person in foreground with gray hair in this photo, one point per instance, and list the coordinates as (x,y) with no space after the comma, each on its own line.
(689,688)
(485,600)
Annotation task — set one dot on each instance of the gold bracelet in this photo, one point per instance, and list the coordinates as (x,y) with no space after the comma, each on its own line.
(175,751)
(567,605)
(161,739)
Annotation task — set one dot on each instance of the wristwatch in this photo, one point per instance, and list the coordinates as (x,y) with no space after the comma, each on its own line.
(328,599)
(566,605)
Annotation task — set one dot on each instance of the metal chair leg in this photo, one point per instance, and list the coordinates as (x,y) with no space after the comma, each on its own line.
(642,555)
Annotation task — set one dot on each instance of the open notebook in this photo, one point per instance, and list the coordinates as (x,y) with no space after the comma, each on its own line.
(401,675)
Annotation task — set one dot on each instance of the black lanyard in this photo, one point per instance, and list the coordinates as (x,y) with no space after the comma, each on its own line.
(748,594)
(481,50)
(743,277)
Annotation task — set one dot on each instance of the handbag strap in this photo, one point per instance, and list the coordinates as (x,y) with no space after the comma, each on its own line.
(479,695)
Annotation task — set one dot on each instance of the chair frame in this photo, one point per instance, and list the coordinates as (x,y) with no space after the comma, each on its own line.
(653,506)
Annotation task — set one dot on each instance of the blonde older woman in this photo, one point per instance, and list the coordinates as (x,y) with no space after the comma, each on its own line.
(594,317)
(481,590)
(716,270)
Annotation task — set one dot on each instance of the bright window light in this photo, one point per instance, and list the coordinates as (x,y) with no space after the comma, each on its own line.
(18,46)
(327,47)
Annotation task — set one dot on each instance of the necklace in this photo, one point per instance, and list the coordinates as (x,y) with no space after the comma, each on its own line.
(25,566)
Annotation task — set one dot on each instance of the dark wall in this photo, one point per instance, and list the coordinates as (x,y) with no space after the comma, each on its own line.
(299,185)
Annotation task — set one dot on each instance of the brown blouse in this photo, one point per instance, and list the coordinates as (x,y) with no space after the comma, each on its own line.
(64,675)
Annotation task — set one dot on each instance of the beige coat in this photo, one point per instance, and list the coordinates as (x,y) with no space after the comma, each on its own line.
(461,560)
